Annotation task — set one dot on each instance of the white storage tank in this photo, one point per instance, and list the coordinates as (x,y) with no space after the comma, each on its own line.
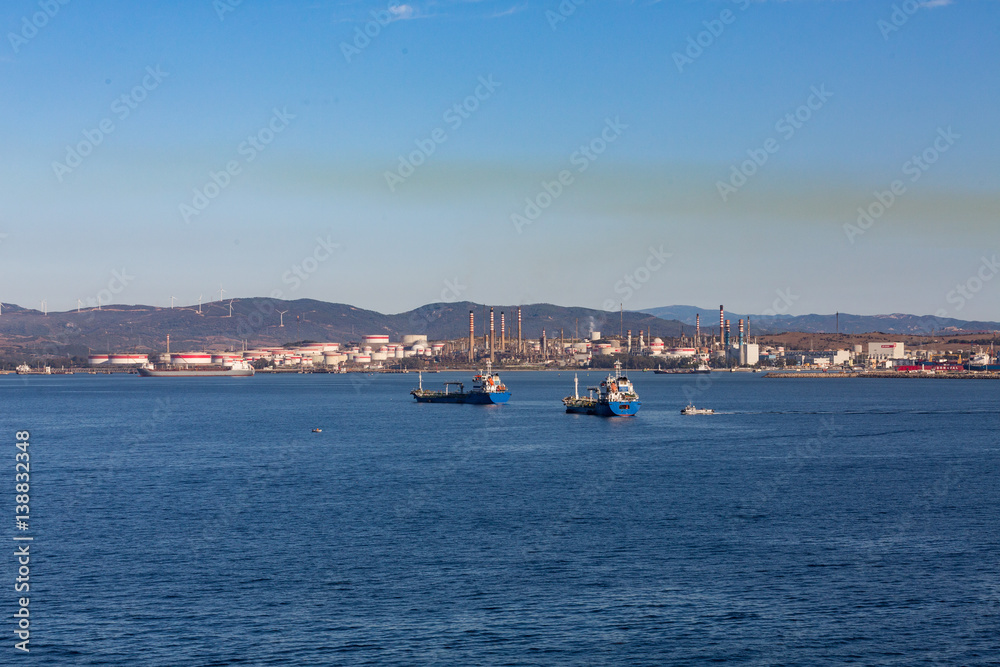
(98,359)
(410,340)
(189,358)
(127,359)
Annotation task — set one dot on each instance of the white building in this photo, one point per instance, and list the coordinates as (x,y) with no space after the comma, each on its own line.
(885,350)
(841,357)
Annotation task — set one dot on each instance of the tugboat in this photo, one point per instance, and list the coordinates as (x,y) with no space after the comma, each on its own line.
(691,410)
(615,397)
(487,389)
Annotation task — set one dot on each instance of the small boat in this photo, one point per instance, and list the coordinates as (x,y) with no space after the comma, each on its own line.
(487,389)
(317,430)
(615,397)
(691,410)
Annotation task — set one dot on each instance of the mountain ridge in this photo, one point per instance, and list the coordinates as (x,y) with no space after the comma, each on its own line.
(892,323)
(264,321)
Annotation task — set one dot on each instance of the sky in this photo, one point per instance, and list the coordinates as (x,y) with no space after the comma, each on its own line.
(798,156)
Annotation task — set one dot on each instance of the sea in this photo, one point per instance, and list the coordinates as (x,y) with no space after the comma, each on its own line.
(201,521)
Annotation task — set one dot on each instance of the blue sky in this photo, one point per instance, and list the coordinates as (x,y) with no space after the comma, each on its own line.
(656,218)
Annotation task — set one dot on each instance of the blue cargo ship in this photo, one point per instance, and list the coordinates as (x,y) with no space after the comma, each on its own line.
(487,389)
(615,397)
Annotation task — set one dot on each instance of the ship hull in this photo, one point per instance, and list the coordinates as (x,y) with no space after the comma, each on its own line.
(190,373)
(472,398)
(601,409)
(617,408)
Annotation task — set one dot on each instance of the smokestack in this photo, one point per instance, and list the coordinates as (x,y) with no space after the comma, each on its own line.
(520,345)
(503,332)
(725,342)
(545,345)
(743,346)
(722,325)
(492,339)
(472,337)
(697,329)
(630,341)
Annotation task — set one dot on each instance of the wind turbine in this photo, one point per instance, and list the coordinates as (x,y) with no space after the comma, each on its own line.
(44,308)
(230,308)
(220,293)
(78,304)
(199,303)
(281,315)
(172,302)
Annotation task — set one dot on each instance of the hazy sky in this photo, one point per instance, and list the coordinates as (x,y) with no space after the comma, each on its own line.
(390,155)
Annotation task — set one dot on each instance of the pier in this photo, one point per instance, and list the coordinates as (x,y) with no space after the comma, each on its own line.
(973,375)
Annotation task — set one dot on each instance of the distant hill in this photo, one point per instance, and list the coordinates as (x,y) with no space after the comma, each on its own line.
(124,328)
(897,323)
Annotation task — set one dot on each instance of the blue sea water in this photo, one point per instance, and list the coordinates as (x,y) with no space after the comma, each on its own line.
(810,522)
